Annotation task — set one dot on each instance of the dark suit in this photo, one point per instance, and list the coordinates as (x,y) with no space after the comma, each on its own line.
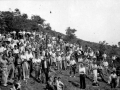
(45,69)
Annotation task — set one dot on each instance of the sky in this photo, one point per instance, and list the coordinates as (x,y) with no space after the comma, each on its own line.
(94,20)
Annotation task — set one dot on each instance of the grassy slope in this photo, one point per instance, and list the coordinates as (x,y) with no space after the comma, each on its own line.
(71,83)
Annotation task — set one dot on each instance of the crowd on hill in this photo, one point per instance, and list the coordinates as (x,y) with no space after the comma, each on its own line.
(24,53)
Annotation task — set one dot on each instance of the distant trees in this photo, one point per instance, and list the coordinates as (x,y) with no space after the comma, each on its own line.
(15,21)
(47,26)
(70,34)
(119,44)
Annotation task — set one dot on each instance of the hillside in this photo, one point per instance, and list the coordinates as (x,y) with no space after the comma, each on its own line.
(15,21)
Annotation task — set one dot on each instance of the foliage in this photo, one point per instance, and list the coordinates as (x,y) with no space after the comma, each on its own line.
(70,35)
(15,21)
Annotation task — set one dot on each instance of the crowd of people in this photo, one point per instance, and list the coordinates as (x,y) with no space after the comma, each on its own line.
(24,53)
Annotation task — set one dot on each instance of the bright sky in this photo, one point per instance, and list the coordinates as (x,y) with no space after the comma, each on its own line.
(94,20)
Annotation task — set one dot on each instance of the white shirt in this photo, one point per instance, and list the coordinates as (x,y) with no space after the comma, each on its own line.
(29,55)
(45,64)
(9,39)
(68,58)
(59,58)
(105,64)
(80,59)
(15,51)
(72,62)
(36,60)
(53,55)
(23,57)
(2,49)
(12,45)
(59,83)
(82,70)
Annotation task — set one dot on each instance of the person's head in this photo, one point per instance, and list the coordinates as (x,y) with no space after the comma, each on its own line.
(10,53)
(59,78)
(29,51)
(81,65)
(55,78)
(72,58)
(36,55)
(23,52)
(4,56)
(113,72)
(15,46)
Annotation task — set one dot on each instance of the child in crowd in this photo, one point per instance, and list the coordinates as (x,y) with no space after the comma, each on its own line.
(113,79)
(60,85)
(16,85)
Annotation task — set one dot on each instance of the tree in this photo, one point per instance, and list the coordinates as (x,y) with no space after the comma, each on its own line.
(17,12)
(70,34)
(47,26)
(2,23)
(119,44)
(37,19)
(25,16)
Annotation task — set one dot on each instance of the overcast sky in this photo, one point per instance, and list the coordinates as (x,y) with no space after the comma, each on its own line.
(94,20)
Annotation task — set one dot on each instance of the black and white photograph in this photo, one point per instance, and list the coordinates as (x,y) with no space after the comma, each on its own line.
(59,44)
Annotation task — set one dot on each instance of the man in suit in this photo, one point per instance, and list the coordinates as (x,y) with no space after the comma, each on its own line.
(45,68)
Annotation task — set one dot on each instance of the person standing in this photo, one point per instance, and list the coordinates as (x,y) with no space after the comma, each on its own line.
(29,56)
(72,66)
(11,67)
(82,73)
(24,66)
(63,62)
(45,68)
(4,67)
(95,72)
(37,62)
(19,68)
(118,75)
(113,79)
(67,60)
(59,60)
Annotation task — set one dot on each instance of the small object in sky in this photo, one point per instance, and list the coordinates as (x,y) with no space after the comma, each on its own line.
(50,12)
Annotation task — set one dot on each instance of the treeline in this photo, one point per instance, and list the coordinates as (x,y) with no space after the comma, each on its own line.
(15,21)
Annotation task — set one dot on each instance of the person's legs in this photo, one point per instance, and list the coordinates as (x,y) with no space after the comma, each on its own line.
(27,70)
(5,76)
(61,65)
(24,71)
(74,70)
(70,71)
(13,71)
(83,82)
(19,72)
(118,80)
(9,71)
(65,62)
(46,75)
(80,81)
(30,67)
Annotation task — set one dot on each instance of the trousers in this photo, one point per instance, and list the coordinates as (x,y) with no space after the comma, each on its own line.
(4,76)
